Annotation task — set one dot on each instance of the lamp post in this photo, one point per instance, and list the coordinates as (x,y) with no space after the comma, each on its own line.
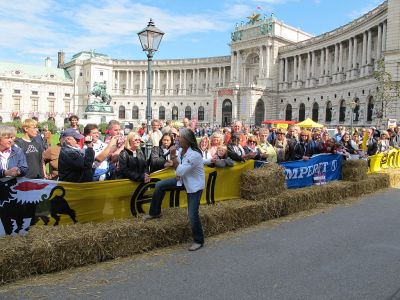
(353,105)
(150,38)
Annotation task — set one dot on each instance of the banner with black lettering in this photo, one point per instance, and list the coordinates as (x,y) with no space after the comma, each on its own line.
(318,170)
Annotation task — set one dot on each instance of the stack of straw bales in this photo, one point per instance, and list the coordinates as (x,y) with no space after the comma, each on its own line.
(266,180)
(48,249)
(354,170)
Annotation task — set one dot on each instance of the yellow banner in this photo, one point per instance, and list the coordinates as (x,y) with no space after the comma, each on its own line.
(115,199)
(383,161)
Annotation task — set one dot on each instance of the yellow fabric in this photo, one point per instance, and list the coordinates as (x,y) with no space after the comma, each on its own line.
(382,161)
(308,123)
(106,200)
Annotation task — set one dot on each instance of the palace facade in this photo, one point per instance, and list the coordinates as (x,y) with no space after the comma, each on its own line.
(274,71)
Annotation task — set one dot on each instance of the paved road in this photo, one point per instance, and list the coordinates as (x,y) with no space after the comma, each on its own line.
(348,252)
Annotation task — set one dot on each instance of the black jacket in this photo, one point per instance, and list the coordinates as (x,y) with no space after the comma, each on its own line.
(132,167)
(75,166)
(157,159)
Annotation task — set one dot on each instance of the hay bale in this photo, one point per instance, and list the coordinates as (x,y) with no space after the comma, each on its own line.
(354,170)
(266,180)
(47,248)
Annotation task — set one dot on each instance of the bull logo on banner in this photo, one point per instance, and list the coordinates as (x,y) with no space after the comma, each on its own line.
(24,201)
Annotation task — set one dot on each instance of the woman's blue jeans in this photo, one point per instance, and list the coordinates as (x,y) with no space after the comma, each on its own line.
(193,206)
(193,212)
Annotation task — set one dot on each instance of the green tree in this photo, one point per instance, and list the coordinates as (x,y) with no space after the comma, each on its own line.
(387,94)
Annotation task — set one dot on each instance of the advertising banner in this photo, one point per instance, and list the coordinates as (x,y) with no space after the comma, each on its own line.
(27,201)
(319,169)
(381,161)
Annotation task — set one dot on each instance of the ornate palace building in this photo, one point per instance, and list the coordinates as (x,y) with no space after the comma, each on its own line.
(274,71)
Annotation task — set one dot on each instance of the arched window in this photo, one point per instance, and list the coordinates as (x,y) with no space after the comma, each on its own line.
(342,111)
(328,112)
(121,112)
(356,111)
(161,113)
(200,115)
(288,114)
(50,119)
(188,112)
(66,120)
(135,113)
(226,112)
(1,119)
(302,112)
(175,115)
(315,109)
(259,112)
(370,108)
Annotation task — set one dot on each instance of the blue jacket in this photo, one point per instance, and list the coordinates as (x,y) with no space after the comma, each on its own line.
(16,159)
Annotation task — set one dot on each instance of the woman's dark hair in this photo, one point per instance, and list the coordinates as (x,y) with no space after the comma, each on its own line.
(167,134)
(188,135)
(73,117)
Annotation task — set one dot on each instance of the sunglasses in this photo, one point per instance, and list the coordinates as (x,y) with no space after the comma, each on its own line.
(252,142)
(136,140)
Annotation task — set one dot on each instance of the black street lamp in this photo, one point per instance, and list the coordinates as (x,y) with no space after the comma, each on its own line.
(150,38)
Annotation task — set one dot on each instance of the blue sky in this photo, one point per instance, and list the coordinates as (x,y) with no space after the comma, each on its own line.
(31,30)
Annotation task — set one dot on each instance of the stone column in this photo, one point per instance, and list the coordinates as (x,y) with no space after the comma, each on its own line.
(180,83)
(132,82)
(206,89)
(313,64)
(369,47)
(184,82)
(223,75)
(167,84)
(158,82)
(300,72)
(285,80)
(198,81)
(118,91)
(141,82)
(232,67)
(379,45)
(281,71)
(384,37)
(295,68)
(261,62)
(237,68)
(172,87)
(349,59)
(127,87)
(322,73)
(327,65)
(355,70)
(339,76)
(267,61)
(364,53)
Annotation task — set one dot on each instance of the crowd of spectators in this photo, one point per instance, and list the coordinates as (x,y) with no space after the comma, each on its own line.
(86,156)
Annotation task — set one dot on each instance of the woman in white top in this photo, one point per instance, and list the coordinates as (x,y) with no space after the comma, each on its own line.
(189,171)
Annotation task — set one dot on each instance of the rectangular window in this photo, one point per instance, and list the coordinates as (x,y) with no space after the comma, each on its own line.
(67,106)
(51,94)
(16,103)
(101,73)
(51,106)
(35,104)
(67,95)
(1,90)
(35,93)
(17,91)
(80,74)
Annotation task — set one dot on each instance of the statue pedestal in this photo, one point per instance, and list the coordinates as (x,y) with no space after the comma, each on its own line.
(99,113)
